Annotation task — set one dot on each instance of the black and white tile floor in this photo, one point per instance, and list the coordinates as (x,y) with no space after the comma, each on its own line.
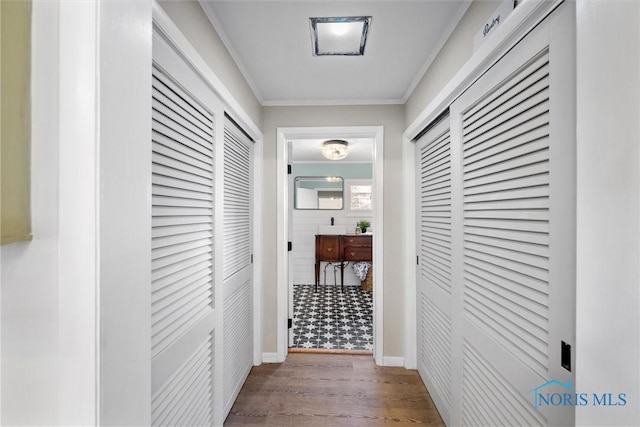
(330,319)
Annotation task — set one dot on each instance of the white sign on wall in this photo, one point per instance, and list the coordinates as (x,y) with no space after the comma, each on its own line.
(493,22)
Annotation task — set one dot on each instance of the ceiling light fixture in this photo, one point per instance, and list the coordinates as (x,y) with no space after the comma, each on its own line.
(341,36)
(335,149)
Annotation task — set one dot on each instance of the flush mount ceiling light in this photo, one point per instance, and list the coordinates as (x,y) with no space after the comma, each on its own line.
(335,149)
(341,36)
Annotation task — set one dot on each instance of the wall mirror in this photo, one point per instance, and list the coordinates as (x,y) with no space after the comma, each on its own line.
(319,192)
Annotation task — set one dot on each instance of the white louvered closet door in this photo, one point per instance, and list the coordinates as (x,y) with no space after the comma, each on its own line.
(237,263)
(183,306)
(433,166)
(514,204)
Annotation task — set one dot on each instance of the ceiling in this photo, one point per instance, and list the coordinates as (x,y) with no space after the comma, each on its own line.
(270,41)
(310,150)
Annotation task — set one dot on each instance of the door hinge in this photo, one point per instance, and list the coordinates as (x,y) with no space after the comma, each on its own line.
(251,258)
(417,260)
(289,323)
(289,246)
(289,170)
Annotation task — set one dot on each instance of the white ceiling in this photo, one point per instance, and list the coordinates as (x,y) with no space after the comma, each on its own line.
(270,41)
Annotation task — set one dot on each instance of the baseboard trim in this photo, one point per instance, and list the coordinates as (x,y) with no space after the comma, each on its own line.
(393,361)
(270,358)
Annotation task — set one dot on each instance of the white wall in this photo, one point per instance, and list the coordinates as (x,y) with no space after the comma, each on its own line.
(91,122)
(454,54)
(608,218)
(196,27)
(29,284)
(389,116)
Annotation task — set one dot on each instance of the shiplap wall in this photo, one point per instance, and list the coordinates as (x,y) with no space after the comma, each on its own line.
(305,227)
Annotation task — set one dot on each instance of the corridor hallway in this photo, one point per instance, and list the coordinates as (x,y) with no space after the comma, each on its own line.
(332,390)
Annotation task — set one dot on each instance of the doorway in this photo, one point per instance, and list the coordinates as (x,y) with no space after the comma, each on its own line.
(285,204)
(332,299)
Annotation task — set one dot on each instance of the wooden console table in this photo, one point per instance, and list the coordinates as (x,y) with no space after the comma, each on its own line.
(340,248)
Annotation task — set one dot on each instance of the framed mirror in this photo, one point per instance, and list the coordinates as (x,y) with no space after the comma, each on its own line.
(319,192)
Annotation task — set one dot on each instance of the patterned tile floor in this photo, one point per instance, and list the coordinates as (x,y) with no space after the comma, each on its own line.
(330,319)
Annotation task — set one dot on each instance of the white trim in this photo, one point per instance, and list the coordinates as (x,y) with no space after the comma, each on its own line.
(332,102)
(282,237)
(393,361)
(410,275)
(258,162)
(297,133)
(270,358)
(78,215)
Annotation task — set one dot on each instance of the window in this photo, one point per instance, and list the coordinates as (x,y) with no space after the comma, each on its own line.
(358,195)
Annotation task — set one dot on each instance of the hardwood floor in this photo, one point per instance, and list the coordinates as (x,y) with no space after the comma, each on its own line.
(332,390)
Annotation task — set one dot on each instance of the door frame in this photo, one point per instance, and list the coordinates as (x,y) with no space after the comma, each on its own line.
(284,135)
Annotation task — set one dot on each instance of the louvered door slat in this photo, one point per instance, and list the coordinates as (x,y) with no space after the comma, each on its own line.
(183,154)
(162,171)
(512,279)
(529,69)
(164,299)
(185,263)
(171,230)
(505,142)
(528,120)
(180,164)
(512,245)
(175,131)
(178,193)
(530,129)
(174,398)
(178,121)
(525,92)
(506,407)
(176,93)
(162,256)
(186,236)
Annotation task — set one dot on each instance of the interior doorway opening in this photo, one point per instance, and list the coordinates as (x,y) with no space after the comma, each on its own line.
(289,140)
(331,229)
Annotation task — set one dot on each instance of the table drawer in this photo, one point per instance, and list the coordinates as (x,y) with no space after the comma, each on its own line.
(355,253)
(356,241)
(327,248)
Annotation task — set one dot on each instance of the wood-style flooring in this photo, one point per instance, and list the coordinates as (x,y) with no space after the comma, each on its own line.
(332,390)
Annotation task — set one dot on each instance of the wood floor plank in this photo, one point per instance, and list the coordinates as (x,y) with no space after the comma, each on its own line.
(332,390)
